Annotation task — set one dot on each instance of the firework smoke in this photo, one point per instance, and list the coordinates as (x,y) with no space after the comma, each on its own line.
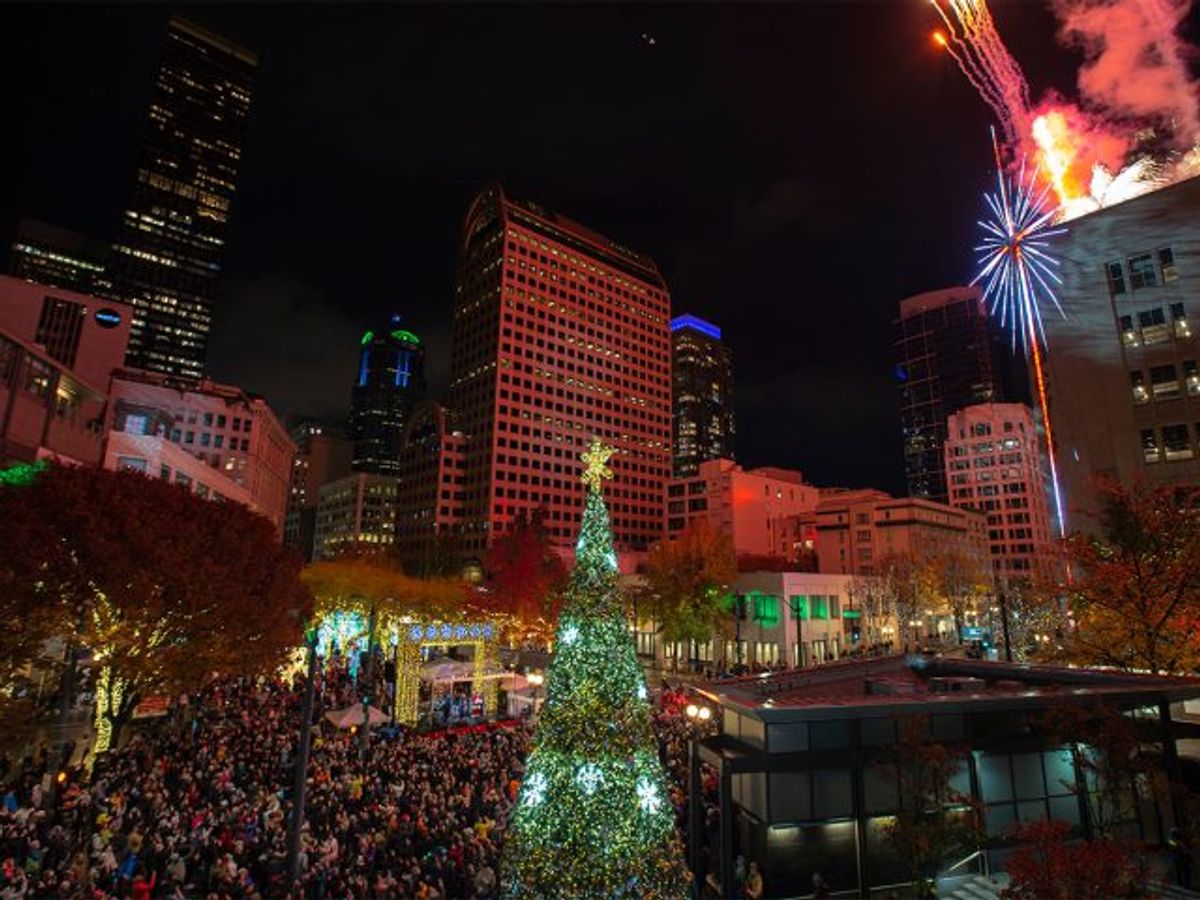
(1135,75)
(1135,62)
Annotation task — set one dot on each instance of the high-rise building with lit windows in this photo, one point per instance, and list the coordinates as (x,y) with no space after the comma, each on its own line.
(322,455)
(172,239)
(949,354)
(55,256)
(1123,361)
(389,383)
(702,395)
(996,464)
(559,334)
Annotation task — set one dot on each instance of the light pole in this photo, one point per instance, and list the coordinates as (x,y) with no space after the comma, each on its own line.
(302,753)
(536,679)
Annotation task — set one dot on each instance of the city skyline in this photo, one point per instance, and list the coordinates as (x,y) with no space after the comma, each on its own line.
(719,247)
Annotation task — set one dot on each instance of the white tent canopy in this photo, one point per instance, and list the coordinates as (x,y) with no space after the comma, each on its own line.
(353,715)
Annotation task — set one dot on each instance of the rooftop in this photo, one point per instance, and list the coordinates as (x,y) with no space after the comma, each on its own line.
(900,685)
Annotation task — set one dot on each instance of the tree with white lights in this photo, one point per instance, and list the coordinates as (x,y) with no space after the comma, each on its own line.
(593,817)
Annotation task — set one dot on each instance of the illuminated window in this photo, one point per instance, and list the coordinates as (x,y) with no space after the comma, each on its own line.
(1150,451)
(1154,325)
(1166,265)
(1116,277)
(1177,442)
(1164,383)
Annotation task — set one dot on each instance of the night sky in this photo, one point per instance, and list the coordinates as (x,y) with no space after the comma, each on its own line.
(795,170)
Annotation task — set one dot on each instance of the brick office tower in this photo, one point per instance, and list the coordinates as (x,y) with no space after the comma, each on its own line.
(166,261)
(560,334)
(996,463)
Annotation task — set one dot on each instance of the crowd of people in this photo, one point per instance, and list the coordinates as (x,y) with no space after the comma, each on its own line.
(197,806)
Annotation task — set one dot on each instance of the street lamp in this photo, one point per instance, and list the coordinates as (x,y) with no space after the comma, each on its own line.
(536,679)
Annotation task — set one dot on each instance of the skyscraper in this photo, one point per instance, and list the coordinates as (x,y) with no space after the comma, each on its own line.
(949,355)
(702,395)
(55,256)
(391,379)
(168,256)
(560,334)
(322,455)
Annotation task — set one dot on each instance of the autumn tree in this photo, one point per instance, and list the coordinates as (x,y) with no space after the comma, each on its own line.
(962,583)
(913,586)
(163,587)
(687,583)
(1136,594)
(935,821)
(875,597)
(525,576)
(375,585)
(1106,749)
(27,552)
(1048,865)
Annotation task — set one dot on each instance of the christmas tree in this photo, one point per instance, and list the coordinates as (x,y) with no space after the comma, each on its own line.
(593,818)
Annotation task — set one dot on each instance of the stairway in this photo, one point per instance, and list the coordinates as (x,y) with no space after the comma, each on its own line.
(979,887)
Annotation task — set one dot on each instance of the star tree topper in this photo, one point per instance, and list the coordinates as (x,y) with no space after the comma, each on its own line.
(595,470)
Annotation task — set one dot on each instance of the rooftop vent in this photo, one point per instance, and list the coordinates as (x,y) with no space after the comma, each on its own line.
(960,684)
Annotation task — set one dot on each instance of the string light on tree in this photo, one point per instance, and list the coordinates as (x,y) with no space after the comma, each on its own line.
(591,819)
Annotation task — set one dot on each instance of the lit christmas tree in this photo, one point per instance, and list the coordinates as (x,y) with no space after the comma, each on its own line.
(593,818)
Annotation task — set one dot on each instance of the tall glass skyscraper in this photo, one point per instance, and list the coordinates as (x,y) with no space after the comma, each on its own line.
(702,395)
(55,256)
(391,379)
(949,355)
(172,240)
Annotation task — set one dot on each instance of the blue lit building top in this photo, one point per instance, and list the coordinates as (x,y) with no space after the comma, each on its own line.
(696,324)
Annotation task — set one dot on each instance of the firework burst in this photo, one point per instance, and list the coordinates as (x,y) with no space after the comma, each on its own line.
(1017,271)
(1018,274)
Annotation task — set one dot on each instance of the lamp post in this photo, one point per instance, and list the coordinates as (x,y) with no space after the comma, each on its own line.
(302,754)
(536,679)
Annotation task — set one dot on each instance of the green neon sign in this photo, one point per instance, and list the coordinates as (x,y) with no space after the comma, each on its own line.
(851,613)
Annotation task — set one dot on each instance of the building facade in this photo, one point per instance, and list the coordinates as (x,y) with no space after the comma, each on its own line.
(778,620)
(57,350)
(751,506)
(322,455)
(559,335)
(702,420)
(356,514)
(859,530)
(996,464)
(221,425)
(167,258)
(60,258)
(390,381)
(1123,361)
(948,355)
(431,489)
(132,447)
(808,781)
